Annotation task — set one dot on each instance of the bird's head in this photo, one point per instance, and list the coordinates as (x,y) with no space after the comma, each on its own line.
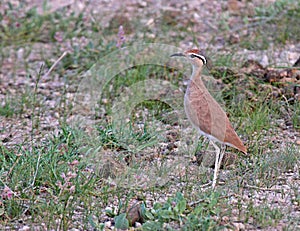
(194,56)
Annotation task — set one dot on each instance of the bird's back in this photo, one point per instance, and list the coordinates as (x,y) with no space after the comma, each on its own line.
(207,115)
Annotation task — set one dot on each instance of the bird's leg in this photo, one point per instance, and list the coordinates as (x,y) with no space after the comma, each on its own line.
(223,149)
(216,164)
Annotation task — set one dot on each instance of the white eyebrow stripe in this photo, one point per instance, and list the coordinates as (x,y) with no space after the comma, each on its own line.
(200,57)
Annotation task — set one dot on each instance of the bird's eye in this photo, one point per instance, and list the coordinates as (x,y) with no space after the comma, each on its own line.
(201,57)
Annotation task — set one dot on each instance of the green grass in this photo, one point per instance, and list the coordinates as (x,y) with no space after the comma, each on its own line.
(8,109)
(268,24)
(34,176)
(284,15)
(14,106)
(78,177)
(295,115)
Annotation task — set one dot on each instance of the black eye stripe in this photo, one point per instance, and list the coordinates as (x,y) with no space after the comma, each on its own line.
(199,57)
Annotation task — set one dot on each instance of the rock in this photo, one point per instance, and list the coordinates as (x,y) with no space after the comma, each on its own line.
(238,226)
(134,214)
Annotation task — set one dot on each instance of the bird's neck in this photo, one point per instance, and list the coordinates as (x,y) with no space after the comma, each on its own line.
(196,74)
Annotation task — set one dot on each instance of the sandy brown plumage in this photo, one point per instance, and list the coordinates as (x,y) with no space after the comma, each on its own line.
(205,114)
(208,117)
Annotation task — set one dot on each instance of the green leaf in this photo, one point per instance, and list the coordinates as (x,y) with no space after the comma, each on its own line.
(152,226)
(2,211)
(179,196)
(166,214)
(149,215)
(181,206)
(121,221)
(144,210)
(157,206)
(110,213)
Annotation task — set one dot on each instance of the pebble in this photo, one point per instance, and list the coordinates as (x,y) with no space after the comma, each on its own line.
(239,226)
(107,224)
(24,228)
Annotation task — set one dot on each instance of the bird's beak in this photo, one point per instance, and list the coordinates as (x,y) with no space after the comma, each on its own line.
(177,54)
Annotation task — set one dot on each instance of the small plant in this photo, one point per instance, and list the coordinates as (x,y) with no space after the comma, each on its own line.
(177,209)
(296,115)
(15,106)
(264,215)
(7,109)
(121,221)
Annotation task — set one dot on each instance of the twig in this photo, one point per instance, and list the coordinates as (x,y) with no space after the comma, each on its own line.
(202,200)
(11,169)
(36,170)
(168,8)
(211,25)
(262,189)
(55,63)
(36,87)
(193,203)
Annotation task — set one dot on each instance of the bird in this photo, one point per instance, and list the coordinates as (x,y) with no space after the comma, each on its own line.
(205,114)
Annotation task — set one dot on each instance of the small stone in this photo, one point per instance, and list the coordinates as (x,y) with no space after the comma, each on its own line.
(105,101)
(234,38)
(171,146)
(265,60)
(226,219)
(24,228)
(107,224)
(138,224)
(239,226)
(134,214)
